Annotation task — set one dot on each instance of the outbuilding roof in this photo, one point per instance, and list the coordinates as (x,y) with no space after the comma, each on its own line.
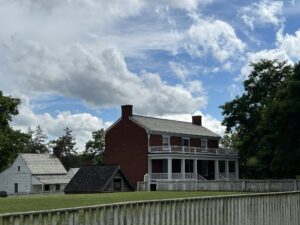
(72,172)
(53,179)
(43,164)
(93,179)
(172,126)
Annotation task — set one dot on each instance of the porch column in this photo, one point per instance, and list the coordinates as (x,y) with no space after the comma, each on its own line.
(237,169)
(195,169)
(182,168)
(216,169)
(149,167)
(227,169)
(169,168)
(149,149)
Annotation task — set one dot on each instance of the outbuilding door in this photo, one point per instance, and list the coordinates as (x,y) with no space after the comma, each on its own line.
(16,188)
(117,184)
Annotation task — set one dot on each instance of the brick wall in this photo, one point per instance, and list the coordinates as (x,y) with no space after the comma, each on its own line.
(155,140)
(212,143)
(126,144)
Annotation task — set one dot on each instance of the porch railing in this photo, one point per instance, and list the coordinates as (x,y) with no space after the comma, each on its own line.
(231,176)
(189,176)
(192,150)
(174,176)
(158,176)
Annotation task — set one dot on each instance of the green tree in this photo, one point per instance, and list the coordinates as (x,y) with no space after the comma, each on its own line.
(229,141)
(94,148)
(11,142)
(64,147)
(280,144)
(37,141)
(243,116)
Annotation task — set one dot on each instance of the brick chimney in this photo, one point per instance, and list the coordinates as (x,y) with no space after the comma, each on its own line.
(197,120)
(126,111)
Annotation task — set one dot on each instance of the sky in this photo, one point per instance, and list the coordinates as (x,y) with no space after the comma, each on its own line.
(73,63)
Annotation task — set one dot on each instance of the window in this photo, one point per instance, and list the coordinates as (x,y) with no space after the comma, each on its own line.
(204,143)
(231,166)
(19,168)
(222,166)
(117,184)
(166,141)
(47,187)
(189,166)
(16,188)
(186,142)
(57,187)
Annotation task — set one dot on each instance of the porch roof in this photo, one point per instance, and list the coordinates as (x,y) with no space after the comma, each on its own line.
(53,179)
(173,126)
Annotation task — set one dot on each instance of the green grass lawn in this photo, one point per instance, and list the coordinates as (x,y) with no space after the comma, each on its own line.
(42,202)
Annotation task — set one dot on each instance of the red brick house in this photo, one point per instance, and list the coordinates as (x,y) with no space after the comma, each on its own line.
(167,149)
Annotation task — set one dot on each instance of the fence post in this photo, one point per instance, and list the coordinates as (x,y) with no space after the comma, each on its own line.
(6,220)
(16,220)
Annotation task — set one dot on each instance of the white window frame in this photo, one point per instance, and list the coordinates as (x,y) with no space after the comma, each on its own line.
(186,138)
(203,140)
(163,143)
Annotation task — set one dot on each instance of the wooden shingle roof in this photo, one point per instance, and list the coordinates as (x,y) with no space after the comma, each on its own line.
(172,126)
(93,179)
(43,164)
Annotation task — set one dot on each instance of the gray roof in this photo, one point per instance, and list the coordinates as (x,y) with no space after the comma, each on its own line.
(72,172)
(173,126)
(43,164)
(54,179)
(94,179)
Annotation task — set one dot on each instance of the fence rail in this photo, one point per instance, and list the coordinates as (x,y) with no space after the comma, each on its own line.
(224,185)
(267,209)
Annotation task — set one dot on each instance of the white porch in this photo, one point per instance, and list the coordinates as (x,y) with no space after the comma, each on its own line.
(174,168)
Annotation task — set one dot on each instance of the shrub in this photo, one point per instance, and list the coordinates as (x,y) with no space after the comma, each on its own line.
(3,194)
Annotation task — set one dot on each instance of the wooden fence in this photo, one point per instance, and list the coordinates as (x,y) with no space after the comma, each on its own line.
(247,209)
(234,185)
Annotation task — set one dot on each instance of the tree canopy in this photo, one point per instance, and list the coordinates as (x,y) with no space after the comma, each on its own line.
(37,141)
(264,121)
(94,148)
(64,147)
(11,141)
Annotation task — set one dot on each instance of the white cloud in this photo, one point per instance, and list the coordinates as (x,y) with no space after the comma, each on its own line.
(214,37)
(261,13)
(291,45)
(179,69)
(82,124)
(189,5)
(287,49)
(132,26)
(207,121)
(99,77)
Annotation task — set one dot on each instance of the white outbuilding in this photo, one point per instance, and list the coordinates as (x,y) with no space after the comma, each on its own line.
(34,173)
